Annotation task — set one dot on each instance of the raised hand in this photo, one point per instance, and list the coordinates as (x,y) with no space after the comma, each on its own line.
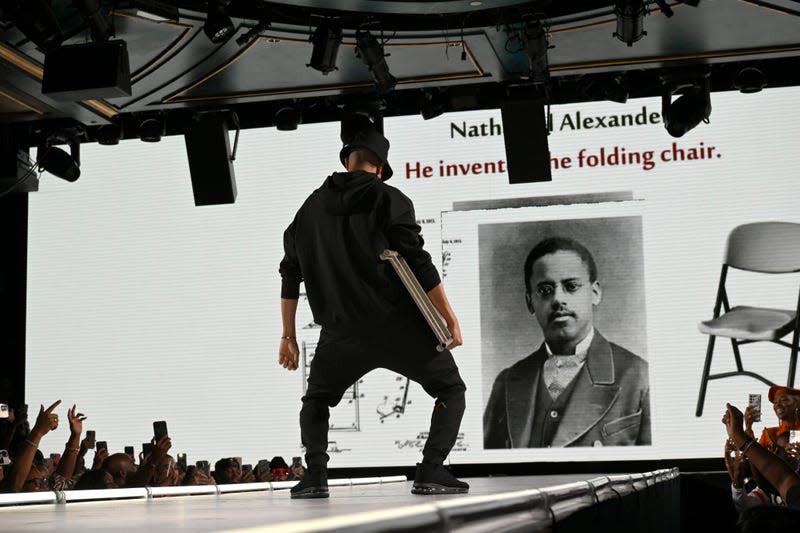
(75,421)
(46,420)
(160,449)
(750,415)
(734,464)
(99,457)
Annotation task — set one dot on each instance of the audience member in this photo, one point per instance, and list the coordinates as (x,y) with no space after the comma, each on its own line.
(32,471)
(227,470)
(279,469)
(774,469)
(195,476)
(46,421)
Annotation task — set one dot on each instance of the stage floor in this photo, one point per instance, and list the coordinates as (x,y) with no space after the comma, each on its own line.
(232,511)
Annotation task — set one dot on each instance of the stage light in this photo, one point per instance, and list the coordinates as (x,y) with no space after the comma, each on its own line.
(253,32)
(287,119)
(534,38)
(630,20)
(750,80)
(371,53)
(36,20)
(99,19)
(59,163)
(218,26)
(151,130)
(109,134)
(691,108)
(326,40)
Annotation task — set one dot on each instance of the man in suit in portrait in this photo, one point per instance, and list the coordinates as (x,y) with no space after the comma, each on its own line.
(577,389)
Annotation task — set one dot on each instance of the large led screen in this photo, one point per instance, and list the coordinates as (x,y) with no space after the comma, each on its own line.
(143,307)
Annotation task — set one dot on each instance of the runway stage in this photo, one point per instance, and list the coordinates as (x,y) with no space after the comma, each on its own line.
(373,504)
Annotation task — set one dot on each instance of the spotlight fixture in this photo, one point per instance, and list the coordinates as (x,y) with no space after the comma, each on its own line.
(253,32)
(371,53)
(326,40)
(287,119)
(36,20)
(59,163)
(55,160)
(691,108)
(750,80)
(109,134)
(630,20)
(218,26)
(151,130)
(534,39)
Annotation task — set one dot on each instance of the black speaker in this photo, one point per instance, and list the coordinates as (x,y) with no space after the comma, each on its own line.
(208,150)
(525,134)
(86,71)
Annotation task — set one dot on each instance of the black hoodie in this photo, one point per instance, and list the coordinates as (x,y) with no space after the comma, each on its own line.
(333,246)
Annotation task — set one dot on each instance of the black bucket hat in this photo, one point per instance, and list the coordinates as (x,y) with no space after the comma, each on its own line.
(358,130)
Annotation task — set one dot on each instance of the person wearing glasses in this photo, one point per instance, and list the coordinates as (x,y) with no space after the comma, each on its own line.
(577,389)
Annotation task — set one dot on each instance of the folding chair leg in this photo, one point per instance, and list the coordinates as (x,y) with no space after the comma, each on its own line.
(704,382)
(793,359)
(736,354)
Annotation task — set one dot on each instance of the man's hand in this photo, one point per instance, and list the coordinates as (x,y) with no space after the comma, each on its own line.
(249,477)
(288,354)
(99,457)
(455,331)
(75,422)
(160,448)
(46,421)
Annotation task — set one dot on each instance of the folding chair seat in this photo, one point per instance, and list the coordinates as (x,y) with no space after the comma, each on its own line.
(768,248)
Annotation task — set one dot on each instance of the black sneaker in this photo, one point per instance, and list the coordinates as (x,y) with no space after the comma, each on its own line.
(313,485)
(435,479)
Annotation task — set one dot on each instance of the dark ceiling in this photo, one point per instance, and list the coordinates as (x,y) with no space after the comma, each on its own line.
(457,54)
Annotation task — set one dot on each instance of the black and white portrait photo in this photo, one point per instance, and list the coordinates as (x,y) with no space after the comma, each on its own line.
(563,332)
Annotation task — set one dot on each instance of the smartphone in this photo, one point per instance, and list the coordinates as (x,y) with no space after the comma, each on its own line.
(794,437)
(129,451)
(102,445)
(182,461)
(160,429)
(263,465)
(755,401)
(90,437)
(3,410)
(204,466)
(296,461)
(147,448)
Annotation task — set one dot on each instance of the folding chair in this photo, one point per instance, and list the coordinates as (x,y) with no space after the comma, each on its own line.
(765,247)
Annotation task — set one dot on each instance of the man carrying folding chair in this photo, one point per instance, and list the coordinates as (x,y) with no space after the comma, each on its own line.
(369,320)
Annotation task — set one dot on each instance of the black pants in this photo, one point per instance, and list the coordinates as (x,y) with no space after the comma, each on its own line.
(408,349)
